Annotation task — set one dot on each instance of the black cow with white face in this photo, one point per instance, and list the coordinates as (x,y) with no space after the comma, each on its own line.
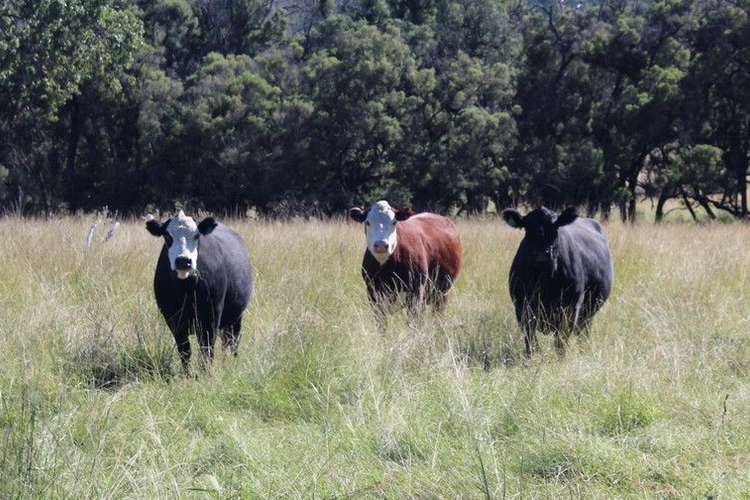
(561,274)
(203,282)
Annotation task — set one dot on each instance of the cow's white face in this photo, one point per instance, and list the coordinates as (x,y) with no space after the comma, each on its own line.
(181,235)
(380,228)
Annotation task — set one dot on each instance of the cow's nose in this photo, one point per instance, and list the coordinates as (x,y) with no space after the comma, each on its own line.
(380,246)
(183,263)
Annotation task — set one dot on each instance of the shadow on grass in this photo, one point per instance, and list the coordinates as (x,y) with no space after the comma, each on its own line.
(625,412)
(550,464)
(488,341)
(107,362)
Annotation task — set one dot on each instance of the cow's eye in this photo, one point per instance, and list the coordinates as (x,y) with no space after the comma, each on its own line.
(197,236)
(367,223)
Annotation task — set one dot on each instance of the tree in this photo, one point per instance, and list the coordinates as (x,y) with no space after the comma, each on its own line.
(49,51)
(717,92)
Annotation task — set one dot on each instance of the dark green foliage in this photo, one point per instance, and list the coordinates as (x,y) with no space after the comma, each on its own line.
(309,106)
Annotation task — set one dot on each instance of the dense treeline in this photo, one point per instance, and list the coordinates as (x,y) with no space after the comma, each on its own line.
(312,105)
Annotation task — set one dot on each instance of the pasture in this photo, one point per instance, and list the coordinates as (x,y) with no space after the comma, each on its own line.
(321,402)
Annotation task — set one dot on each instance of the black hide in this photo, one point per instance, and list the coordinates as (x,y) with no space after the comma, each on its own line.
(213,299)
(561,275)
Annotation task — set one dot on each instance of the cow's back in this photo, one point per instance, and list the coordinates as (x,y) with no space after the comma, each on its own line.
(433,239)
(585,256)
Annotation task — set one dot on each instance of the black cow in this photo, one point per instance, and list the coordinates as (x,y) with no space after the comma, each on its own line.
(561,275)
(203,282)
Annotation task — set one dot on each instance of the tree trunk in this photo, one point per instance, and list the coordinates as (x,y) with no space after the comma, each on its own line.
(74,135)
(632,203)
(635,169)
(623,211)
(689,206)
(742,186)
(663,198)
(703,201)
(736,161)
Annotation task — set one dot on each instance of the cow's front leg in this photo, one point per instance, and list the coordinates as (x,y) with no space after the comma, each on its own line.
(182,342)
(208,326)
(527,320)
(380,301)
(206,334)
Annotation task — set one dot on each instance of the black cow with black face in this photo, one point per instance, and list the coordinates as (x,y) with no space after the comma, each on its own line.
(561,275)
(203,282)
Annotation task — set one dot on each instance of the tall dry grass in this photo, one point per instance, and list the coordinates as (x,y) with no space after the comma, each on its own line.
(321,402)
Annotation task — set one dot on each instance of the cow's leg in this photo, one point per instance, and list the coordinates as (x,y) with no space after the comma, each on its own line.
(565,322)
(380,303)
(416,302)
(439,300)
(439,293)
(206,340)
(231,337)
(209,320)
(206,333)
(578,312)
(182,342)
(530,341)
(420,298)
(527,321)
(581,324)
(561,340)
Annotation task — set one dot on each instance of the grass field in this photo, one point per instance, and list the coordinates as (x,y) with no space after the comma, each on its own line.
(321,403)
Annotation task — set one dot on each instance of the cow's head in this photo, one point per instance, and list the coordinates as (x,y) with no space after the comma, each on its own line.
(541,227)
(181,235)
(380,227)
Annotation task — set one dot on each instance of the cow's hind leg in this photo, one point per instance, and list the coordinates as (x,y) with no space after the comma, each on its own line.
(439,292)
(416,302)
(582,320)
(439,300)
(207,339)
(530,341)
(231,338)
(565,322)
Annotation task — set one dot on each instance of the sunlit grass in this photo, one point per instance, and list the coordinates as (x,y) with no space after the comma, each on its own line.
(321,402)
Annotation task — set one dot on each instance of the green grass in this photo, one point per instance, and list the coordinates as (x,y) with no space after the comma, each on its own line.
(321,402)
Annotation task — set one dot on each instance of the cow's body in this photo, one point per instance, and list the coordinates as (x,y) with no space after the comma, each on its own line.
(424,263)
(558,286)
(212,298)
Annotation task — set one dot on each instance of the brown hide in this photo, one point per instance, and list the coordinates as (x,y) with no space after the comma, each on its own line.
(426,263)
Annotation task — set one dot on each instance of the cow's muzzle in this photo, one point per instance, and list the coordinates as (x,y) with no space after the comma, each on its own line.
(380,247)
(183,264)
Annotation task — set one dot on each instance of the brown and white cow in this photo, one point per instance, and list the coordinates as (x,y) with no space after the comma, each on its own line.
(418,256)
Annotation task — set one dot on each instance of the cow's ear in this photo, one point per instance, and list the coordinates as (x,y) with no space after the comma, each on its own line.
(403,214)
(155,227)
(207,225)
(566,217)
(513,218)
(357,214)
